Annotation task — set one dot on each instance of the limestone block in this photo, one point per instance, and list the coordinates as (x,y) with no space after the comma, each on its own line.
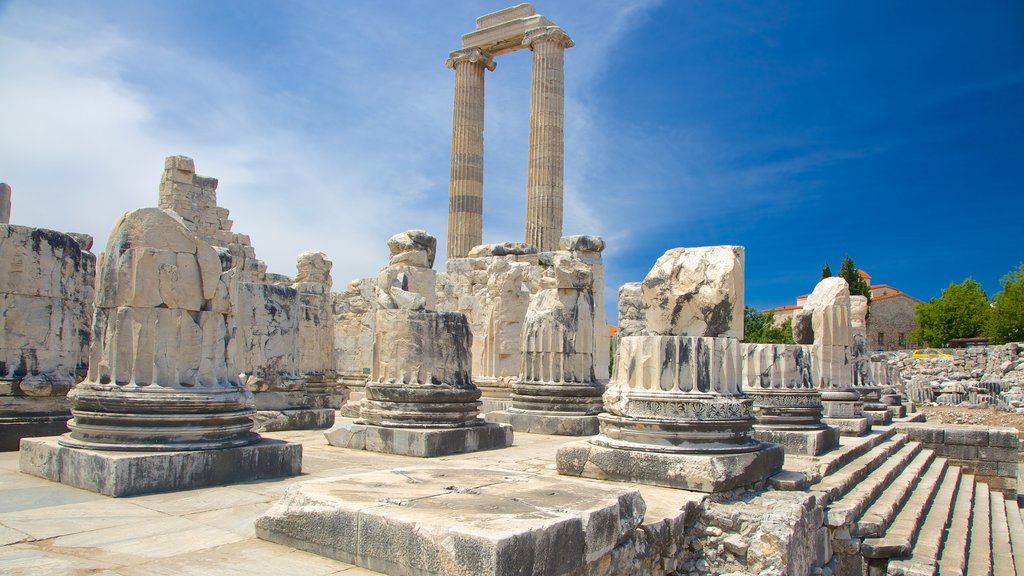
(315,267)
(407,288)
(581,243)
(829,304)
(502,249)
(632,319)
(558,337)
(696,292)
(266,331)
(354,327)
(412,248)
(316,317)
(463,522)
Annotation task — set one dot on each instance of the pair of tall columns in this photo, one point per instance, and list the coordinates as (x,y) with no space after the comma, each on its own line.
(544,188)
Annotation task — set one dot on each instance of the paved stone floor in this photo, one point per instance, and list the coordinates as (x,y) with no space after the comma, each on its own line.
(49,528)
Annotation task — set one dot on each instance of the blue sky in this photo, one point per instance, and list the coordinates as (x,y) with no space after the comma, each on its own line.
(805,131)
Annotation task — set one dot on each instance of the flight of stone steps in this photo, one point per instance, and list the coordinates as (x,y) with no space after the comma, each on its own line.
(894,507)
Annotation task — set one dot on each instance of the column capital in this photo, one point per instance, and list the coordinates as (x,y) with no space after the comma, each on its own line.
(472,54)
(547,34)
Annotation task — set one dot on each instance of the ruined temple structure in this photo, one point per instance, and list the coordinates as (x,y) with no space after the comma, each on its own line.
(501,32)
(161,394)
(676,412)
(420,397)
(557,391)
(823,327)
(46,298)
(282,329)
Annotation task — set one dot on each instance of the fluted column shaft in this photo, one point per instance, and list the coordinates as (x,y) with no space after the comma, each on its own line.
(544,185)
(465,193)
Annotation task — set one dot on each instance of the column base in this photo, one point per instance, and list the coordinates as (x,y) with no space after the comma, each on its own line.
(419,442)
(802,442)
(699,472)
(849,426)
(295,419)
(547,422)
(133,473)
(898,411)
(14,428)
(879,417)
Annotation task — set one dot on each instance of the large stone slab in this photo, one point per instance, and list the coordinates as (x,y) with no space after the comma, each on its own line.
(469,522)
(132,473)
(700,472)
(298,419)
(800,442)
(419,442)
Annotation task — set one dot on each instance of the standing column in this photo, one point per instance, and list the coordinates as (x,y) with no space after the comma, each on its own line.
(5,203)
(544,184)
(465,193)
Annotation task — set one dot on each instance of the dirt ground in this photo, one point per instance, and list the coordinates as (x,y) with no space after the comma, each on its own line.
(975,416)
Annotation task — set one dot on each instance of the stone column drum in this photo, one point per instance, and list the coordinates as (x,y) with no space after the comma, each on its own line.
(159,378)
(465,202)
(5,203)
(677,415)
(557,392)
(787,407)
(544,180)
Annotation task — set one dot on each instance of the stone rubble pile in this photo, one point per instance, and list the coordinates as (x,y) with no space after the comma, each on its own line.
(978,377)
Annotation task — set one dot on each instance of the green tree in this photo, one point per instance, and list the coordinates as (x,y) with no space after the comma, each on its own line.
(826,272)
(1006,317)
(759,328)
(961,312)
(858,286)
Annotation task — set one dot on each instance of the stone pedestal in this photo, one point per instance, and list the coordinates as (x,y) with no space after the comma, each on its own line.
(132,473)
(787,408)
(677,417)
(421,390)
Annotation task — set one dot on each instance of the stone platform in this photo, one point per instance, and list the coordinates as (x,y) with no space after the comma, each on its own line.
(419,442)
(699,472)
(481,522)
(805,442)
(540,423)
(131,473)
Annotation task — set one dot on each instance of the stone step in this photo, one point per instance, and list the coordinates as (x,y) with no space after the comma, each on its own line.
(803,472)
(931,535)
(1016,527)
(979,558)
(901,533)
(953,561)
(839,482)
(918,475)
(1002,554)
(843,511)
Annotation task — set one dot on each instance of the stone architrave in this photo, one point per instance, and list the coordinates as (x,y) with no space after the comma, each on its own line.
(823,325)
(558,392)
(677,415)
(160,384)
(787,406)
(46,300)
(420,398)
(5,203)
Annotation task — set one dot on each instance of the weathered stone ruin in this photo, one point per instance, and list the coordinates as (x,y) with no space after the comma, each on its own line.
(46,298)
(420,398)
(823,326)
(160,381)
(676,412)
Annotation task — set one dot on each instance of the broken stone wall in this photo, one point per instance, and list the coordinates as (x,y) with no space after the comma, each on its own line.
(46,302)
